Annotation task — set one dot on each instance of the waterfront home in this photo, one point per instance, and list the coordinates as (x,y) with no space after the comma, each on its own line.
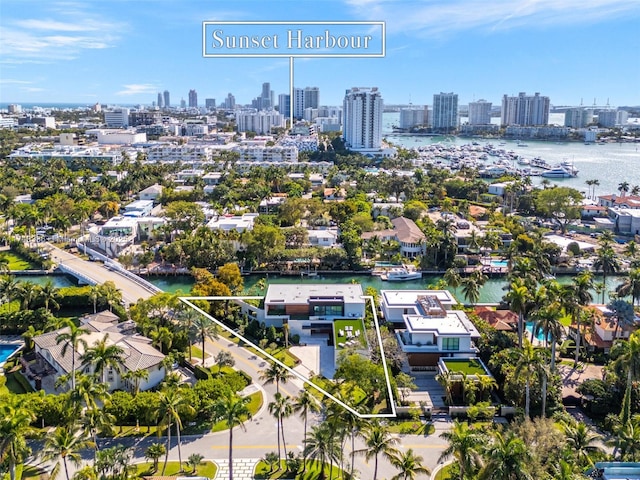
(411,239)
(138,354)
(620,201)
(625,220)
(427,328)
(311,309)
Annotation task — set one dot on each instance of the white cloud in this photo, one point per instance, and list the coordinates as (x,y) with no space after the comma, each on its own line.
(437,18)
(62,34)
(13,81)
(138,88)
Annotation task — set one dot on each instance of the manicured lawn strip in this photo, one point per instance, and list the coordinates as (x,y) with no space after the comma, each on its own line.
(16,262)
(282,354)
(467,367)
(312,473)
(254,407)
(131,431)
(207,469)
(443,474)
(197,353)
(411,427)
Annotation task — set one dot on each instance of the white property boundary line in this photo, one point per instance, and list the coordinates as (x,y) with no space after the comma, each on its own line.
(188,301)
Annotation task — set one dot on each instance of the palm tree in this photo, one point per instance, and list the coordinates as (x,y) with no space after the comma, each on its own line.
(103,355)
(65,443)
(154,452)
(96,420)
(94,296)
(321,444)
(172,405)
(135,377)
(88,392)
(446,379)
(631,286)
(194,461)
(623,188)
(409,464)
(281,408)
(627,440)
(8,287)
(579,295)
(49,295)
(233,410)
(276,373)
(507,458)
(305,403)
(608,262)
(26,293)
(527,362)
(581,442)
(465,446)
(471,286)
(72,336)
(15,426)
(518,298)
(378,440)
(205,328)
(627,357)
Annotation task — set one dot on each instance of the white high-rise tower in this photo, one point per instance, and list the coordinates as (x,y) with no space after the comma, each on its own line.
(362,128)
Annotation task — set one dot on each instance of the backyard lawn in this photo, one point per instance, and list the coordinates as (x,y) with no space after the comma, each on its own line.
(465,366)
(18,263)
(346,331)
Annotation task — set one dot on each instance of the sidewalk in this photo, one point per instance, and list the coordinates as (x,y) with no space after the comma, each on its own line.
(242,468)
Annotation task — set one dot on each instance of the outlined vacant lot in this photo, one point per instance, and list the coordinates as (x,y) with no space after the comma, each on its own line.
(189,301)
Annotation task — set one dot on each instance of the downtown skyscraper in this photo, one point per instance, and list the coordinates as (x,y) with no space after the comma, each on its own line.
(362,128)
(167,99)
(193,99)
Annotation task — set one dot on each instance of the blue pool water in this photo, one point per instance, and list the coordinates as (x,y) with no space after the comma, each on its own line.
(499,263)
(6,351)
(539,336)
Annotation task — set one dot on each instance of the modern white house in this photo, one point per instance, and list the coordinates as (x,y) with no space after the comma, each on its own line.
(426,326)
(138,353)
(311,308)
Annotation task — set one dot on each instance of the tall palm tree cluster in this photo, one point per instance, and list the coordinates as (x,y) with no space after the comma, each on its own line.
(525,450)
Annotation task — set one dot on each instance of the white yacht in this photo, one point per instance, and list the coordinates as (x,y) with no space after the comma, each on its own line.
(401,274)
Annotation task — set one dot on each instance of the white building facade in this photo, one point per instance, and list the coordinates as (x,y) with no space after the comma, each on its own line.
(362,109)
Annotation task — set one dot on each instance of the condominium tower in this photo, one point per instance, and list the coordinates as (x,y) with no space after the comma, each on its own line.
(480,113)
(167,99)
(362,127)
(445,111)
(525,110)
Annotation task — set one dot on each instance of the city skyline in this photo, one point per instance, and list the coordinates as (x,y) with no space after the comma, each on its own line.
(125,53)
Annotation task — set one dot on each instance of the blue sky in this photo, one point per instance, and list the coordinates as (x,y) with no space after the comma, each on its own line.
(124,52)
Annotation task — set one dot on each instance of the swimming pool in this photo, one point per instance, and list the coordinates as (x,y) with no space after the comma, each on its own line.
(7,350)
(539,336)
(499,263)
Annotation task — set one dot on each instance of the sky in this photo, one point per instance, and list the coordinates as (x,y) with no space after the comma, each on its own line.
(124,52)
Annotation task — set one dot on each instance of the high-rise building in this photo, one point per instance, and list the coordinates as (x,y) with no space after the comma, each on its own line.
(284,105)
(525,110)
(259,122)
(160,101)
(480,112)
(265,100)
(578,117)
(311,97)
(362,109)
(183,104)
(298,103)
(210,103)
(230,102)
(193,99)
(445,111)
(167,99)
(612,117)
(413,116)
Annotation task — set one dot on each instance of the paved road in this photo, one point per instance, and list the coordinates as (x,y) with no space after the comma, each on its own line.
(259,436)
(98,273)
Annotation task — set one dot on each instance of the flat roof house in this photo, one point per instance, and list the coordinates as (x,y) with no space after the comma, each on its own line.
(426,326)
